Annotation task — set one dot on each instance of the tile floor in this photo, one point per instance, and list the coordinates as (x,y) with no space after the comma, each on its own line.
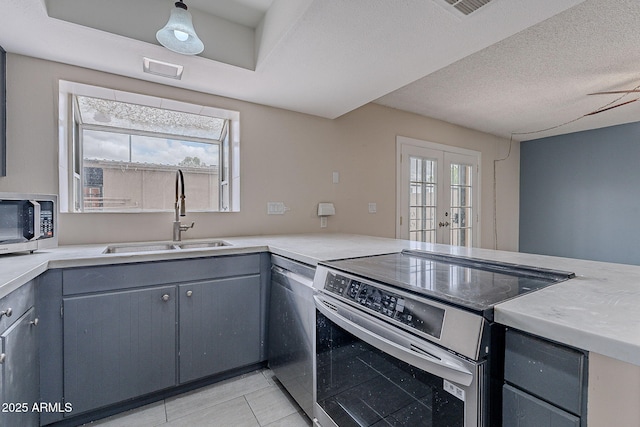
(255,399)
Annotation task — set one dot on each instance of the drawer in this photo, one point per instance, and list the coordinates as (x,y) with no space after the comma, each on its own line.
(19,301)
(520,409)
(547,370)
(126,276)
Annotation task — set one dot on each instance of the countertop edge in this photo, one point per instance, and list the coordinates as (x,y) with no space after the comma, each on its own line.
(568,335)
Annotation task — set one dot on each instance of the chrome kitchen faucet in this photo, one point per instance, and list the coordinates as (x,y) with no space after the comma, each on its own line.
(180,208)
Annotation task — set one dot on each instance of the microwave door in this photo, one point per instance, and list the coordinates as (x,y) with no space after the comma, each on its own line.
(36,232)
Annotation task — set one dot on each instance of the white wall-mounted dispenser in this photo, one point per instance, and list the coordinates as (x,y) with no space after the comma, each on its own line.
(325,210)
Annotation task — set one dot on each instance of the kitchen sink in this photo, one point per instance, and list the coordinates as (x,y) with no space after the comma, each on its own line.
(203,245)
(119,249)
(150,247)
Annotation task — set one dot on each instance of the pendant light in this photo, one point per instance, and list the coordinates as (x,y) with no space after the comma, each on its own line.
(178,35)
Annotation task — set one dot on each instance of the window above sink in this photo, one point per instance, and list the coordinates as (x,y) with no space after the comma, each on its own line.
(119,152)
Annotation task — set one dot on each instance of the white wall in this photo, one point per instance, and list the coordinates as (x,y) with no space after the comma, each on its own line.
(285,156)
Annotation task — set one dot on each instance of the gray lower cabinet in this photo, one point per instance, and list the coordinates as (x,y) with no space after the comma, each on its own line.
(120,332)
(219,326)
(19,378)
(545,383)
(118,345)
(524,410)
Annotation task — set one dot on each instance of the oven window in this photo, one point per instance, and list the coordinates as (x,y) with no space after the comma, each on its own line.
(358,385)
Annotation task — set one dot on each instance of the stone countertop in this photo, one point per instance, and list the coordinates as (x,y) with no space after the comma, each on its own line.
(598,310)
(17,269)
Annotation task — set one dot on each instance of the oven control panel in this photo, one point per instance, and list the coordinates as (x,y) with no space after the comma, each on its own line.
(408,311)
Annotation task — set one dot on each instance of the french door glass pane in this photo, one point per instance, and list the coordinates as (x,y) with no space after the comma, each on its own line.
(460,196)
(461,237)
(422,199)
(461,206)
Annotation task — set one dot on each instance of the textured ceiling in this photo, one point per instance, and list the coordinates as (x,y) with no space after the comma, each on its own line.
(540,78)
(508,67)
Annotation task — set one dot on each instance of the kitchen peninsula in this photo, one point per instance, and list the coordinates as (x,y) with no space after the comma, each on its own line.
(596,311)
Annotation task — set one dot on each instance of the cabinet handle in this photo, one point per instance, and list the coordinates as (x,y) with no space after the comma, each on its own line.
(8,312)
(189,293)
(2,357)
(34,322)
(165,297)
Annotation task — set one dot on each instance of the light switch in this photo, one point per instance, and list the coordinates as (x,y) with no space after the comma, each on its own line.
(336,177)
(373,207)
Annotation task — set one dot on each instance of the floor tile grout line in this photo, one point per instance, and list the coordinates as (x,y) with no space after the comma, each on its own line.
(251,409)
(224,400)
(166,415)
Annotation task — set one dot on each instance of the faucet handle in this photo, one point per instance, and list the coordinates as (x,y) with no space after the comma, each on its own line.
(186,227)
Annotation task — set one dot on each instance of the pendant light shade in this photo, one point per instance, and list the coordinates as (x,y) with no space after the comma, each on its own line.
(178,35)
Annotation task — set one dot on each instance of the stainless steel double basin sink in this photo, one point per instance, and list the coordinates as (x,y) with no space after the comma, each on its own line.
(162,246)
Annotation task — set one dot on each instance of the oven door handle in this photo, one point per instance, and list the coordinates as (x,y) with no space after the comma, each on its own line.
(420,354)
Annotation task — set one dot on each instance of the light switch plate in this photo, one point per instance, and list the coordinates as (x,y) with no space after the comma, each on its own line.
(373,207)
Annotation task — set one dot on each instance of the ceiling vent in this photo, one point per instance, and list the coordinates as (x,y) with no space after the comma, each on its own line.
(164,69)
(466,7)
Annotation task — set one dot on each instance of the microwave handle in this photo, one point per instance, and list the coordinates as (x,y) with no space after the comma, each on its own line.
(434,361)
(37,230)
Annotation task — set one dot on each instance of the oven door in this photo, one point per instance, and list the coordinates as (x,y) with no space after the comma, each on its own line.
(369,373)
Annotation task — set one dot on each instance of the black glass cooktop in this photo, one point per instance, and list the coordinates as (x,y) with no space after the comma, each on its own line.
(468,282)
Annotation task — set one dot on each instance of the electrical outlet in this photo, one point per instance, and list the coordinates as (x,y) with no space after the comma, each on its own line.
(276,208)
(373,208)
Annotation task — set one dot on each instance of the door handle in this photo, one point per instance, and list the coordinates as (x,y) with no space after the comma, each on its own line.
(443,224)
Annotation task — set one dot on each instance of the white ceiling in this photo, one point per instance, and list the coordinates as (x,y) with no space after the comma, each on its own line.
(511,66)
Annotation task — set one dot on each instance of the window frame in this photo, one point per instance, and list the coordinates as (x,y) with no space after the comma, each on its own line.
(70,143)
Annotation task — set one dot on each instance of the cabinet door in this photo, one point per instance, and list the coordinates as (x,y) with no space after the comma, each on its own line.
(118,345)
(19,373)
(219,326)
(520,409)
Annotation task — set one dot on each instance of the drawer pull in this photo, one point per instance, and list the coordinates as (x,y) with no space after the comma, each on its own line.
(165,297)
(8,312)
(2,357)
(189,293)
(34,322)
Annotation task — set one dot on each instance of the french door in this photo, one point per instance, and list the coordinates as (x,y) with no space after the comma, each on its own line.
(437,193)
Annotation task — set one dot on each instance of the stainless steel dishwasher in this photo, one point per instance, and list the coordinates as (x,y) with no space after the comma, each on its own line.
(292,328)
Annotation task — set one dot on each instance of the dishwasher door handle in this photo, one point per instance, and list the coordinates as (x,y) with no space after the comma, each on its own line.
(420,354)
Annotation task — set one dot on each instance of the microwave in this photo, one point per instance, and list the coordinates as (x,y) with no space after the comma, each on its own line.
(28,222)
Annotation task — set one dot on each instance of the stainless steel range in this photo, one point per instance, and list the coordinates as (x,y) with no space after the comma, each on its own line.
(408,339)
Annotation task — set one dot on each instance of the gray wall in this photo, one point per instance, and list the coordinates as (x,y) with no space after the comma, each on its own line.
(580,195)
